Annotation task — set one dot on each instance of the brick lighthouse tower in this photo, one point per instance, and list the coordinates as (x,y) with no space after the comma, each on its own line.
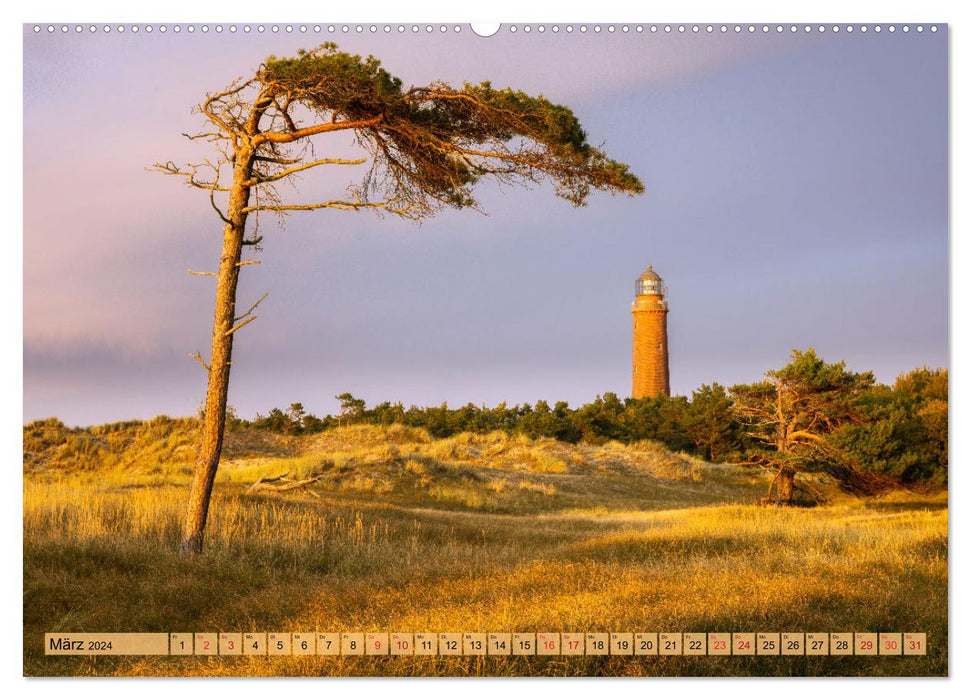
(650,311)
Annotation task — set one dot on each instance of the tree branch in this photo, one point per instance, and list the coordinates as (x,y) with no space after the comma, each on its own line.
(280,484)
(261,179)
(198,356)
(284,112)
(253,307)
(207,135)
(333,204)
(279,161)
(212,201)
(202,274)
(171,168)
(808,436)
(240,325)
(289,137)
(207,108)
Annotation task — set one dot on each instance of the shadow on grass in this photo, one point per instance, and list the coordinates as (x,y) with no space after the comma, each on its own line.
(929,504)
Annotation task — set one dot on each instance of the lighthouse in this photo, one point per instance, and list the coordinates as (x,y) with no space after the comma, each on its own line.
(650,312)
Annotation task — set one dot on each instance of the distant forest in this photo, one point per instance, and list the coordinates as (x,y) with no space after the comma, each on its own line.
(807,416)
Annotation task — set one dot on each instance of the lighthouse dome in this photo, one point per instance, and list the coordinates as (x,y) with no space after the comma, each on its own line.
(649,283)
(650,274)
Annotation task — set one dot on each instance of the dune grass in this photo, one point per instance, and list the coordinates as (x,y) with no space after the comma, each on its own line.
(474,533)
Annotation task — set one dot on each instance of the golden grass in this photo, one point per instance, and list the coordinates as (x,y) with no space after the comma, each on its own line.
(412,535)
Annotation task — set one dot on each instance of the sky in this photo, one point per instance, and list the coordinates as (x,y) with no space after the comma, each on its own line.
(796,196)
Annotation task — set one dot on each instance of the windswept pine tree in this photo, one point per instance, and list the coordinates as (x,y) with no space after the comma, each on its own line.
(423,149)
(791,417)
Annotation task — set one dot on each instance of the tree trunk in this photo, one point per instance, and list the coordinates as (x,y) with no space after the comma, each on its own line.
(785,485)
(214,421)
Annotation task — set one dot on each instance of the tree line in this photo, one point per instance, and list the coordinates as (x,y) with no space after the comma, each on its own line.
(808,416)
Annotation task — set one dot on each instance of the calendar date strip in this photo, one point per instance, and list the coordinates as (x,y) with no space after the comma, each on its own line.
(508,644)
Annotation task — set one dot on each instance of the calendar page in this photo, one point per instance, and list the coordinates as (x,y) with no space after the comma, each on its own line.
(530,349)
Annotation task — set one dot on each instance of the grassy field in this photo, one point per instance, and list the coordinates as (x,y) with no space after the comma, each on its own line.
(473,533)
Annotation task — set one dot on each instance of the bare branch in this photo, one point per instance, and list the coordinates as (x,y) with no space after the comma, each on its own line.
(202,274)
(212,201)
(247,262)
(240,325)
(253,307)
(269,479)
(198,356)
(289,137)
(207,135)
(212,194)
(279,161)
(171,168)
(280,484)
(261,179)
(225,120)
(253,241)
(333,204)
(284,112)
